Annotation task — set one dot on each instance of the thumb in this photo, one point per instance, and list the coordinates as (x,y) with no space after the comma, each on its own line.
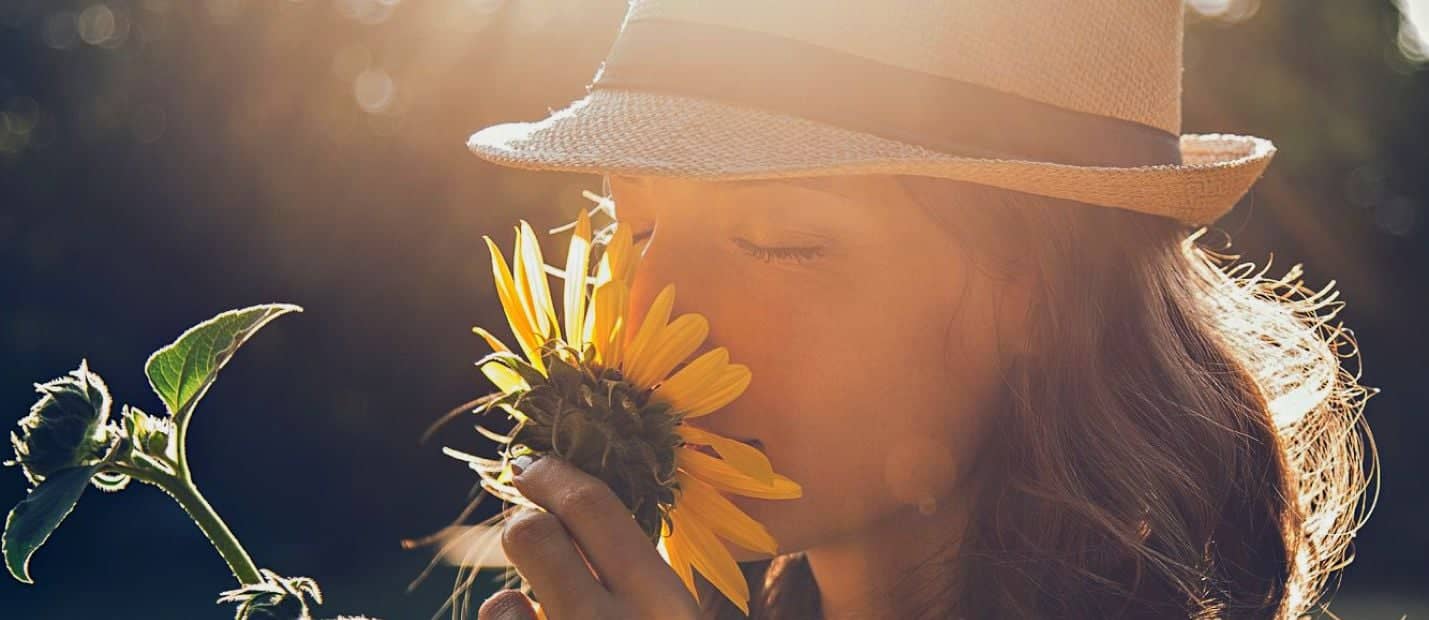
(508,605)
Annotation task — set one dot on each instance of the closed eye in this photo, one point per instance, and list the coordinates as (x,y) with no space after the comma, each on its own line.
(769,254)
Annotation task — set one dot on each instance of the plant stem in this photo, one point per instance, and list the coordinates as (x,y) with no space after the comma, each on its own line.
(215,529)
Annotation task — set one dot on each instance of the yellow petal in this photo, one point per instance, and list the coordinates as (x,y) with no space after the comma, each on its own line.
(740,455)
(538,293)
(523,285)
(617,262)
(723,517)
(673,548)
(689,384)
(660,546)
(608,324)
(506,380)
(513,412)
(577,266)
(491,341)
(507,474)
(713,560)
(588,331)
(511,303)
(536,273)
(725,477)
(697,400)
(671,346)
(655,320)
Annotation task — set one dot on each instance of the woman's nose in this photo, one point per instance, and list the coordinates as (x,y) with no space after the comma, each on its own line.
(668,258)
(652,273)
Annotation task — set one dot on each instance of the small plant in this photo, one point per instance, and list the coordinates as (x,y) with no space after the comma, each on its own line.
(69,441)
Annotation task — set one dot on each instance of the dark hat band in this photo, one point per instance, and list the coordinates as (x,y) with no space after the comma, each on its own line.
(782,75)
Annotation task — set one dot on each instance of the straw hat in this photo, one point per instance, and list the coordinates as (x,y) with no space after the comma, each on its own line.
(1076,100)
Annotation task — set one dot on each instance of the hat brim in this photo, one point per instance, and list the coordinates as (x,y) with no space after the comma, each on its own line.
(637,133)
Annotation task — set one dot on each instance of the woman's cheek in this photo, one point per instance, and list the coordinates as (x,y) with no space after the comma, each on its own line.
(812,401)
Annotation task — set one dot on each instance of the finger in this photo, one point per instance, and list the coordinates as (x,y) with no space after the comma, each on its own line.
(507,605)
(543,552)
(628,564)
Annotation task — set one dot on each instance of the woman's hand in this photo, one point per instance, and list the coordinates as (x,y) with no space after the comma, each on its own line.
(584,557)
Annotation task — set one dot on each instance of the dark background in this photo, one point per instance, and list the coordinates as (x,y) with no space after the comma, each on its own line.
(164,160)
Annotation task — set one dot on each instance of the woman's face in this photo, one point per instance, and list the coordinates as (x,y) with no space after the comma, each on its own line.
(872,336)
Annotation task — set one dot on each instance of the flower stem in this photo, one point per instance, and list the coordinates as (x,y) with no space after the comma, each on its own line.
(216,530)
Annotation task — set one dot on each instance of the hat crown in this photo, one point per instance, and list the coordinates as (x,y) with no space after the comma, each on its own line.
(1114,58)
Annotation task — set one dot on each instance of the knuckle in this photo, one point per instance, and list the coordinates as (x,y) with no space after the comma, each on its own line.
(529,531)
(586,498)
(501,605)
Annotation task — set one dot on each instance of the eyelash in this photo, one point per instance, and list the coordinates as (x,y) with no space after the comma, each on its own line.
(766,254)
(785,254)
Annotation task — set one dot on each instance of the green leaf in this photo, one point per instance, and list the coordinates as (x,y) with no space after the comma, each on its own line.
(32,520)
(181,372)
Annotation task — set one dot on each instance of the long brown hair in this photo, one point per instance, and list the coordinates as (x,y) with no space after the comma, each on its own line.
(1187,439)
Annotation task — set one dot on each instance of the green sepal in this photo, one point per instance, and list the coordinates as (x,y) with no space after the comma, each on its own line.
(504,357)
(528,373)
(151,435)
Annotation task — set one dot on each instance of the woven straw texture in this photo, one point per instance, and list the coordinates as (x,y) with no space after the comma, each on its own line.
(1116,58)
(649,134)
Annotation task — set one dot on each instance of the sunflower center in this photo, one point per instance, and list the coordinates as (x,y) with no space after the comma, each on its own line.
(608,427)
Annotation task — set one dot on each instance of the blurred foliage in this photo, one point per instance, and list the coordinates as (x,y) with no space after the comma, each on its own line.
(313,151)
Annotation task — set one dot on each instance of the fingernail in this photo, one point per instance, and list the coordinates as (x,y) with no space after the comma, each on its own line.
(521,464)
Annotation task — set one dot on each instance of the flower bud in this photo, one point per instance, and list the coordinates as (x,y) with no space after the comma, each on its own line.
(275,598)
(150,434)
(65,427)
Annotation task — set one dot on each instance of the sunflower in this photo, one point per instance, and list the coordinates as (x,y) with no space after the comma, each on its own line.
(616,399)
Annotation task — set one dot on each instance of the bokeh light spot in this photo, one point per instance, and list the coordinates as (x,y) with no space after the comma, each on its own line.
(374,90)
(21,114)
(96,24)
(1398,216)
(1226,10)
(366,11)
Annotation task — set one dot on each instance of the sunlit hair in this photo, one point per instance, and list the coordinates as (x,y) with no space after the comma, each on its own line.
(1186,439)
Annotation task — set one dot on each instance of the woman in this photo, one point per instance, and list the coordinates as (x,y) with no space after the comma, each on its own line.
(960,247)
